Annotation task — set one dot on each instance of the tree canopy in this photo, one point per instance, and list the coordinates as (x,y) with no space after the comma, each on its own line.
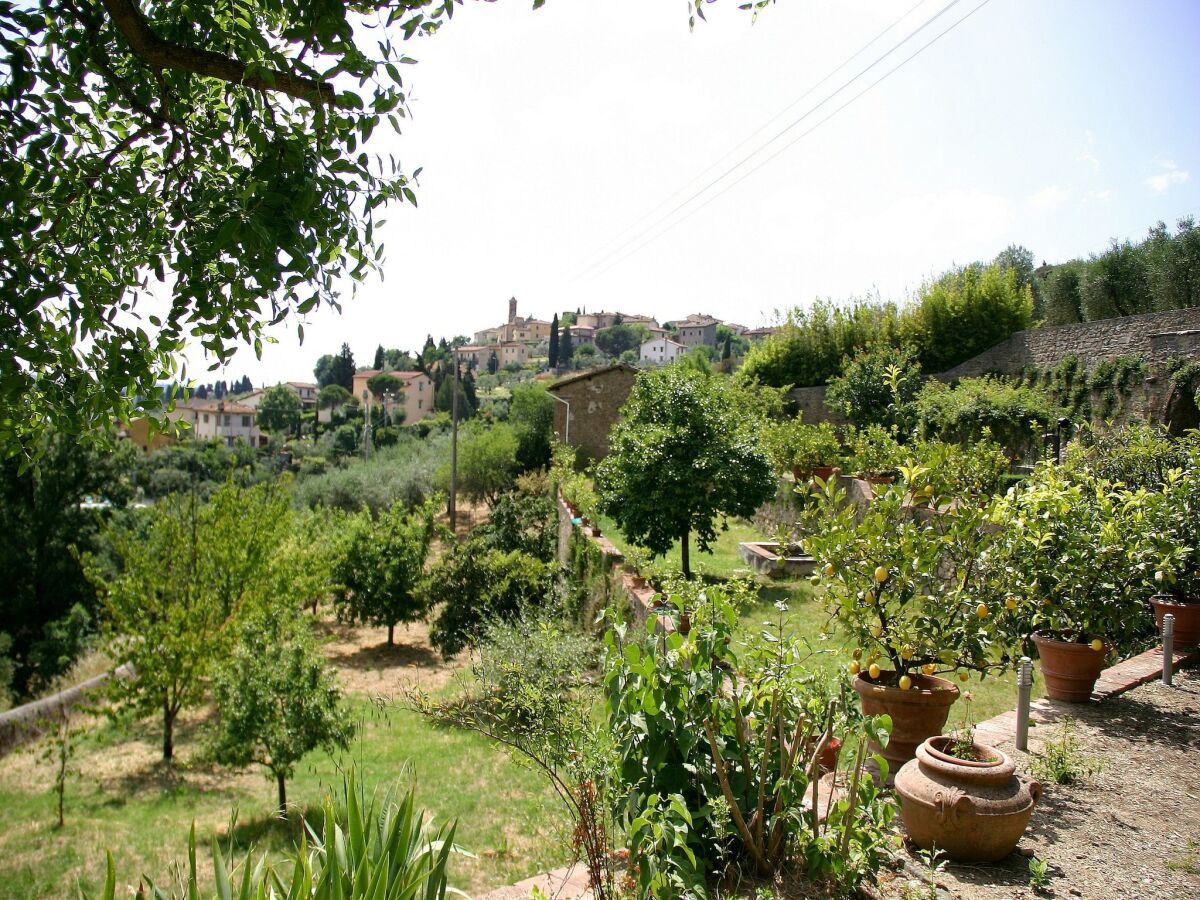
(279,410)
(684,453)
(173,171)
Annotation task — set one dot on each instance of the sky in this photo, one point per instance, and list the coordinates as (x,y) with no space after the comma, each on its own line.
(563,150)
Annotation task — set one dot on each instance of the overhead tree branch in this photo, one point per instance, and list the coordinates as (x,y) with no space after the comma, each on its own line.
(164,54)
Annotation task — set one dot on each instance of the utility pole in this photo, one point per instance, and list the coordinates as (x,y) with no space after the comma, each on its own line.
(453,510)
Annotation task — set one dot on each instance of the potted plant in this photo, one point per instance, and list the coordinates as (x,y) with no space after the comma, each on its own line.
(1078,553)
(1176,535)
(964,798)
(635,559)
(875,454)
(919,598)
(804,450)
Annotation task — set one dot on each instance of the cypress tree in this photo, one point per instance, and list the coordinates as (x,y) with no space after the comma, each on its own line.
(554,342)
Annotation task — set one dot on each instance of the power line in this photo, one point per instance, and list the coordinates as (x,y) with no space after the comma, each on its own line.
(728,153)
(789,144)
(776,137)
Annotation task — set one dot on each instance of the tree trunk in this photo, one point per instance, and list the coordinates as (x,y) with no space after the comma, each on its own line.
(391,634)
(282,782)
(684,556)
(168,733)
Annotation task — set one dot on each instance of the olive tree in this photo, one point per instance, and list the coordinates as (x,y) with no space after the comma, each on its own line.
(279,410)
(277,701)
(685,452)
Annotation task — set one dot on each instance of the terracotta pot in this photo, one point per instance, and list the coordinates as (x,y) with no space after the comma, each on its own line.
(972,811)
(1187,619)
(1070,669)
(829,753)
(595,531)
(639,581)
(825,472)
(801,474)
(917,714)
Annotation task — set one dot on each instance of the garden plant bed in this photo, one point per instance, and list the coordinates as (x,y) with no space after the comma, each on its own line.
(1123,831)
(763,557)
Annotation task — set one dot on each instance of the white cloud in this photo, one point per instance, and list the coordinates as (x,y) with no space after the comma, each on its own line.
(1049,198)
(1086,155)
(1099,196)
(1170,174)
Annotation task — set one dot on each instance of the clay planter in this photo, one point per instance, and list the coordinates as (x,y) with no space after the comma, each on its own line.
(595,531)
(1070,669)
(825,472)
(639,581)
(917,714)
(801,474)
(973,811)
(1187,619)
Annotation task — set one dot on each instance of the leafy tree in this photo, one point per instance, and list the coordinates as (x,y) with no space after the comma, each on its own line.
(1115,283)
(333,396)
(279,410)
(277,701)
(185,579)
(531,414)
(553,352)
(727,348)
(493,363)
(1060,288)
(444,396)
(44,519)
(379,358)
(615,340)
(384,383)
(684,453)
(566,349)
(877,387)
(487,462)
(473,586)
(384,564)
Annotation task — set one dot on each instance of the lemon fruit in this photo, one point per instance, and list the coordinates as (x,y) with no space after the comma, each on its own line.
(855,668)
(982,610)
(1011,603)
(1097,645)
(905,682)
(881,574)
(830,570)
(874,671)
(963,676)
(929,668)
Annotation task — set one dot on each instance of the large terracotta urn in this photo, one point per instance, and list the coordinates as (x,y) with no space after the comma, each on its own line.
(917,714)
(1070,668)
(1187,619)
(973,810)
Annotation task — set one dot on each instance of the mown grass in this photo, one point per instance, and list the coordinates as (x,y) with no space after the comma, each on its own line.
(125,802)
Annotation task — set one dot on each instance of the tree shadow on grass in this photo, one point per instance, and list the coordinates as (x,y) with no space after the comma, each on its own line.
(381,656)
(273,832)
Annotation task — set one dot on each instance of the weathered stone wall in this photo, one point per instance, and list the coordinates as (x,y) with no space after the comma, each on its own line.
(595,402)
(1154,336)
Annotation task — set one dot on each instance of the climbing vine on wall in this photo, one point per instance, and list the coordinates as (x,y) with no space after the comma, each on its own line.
(1101,393)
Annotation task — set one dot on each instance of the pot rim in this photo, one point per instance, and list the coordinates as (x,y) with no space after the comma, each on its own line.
(994,758)
(1164,599)
(921,685)
(1041,639)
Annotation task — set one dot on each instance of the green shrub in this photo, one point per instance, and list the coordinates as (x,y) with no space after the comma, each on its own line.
(791,444)
(1136,456)
(874,451)
(472,586)
(876,387)
(406,472)
(1013,415)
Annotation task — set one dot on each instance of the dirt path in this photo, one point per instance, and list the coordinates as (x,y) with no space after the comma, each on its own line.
(1130,830)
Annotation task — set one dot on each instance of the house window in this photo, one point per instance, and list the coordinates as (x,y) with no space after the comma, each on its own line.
(420,404)
(206,418)
(227,418)
(420,385)
(245,421)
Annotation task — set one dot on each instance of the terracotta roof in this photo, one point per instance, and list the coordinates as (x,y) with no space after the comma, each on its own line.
(218,406)
(590,373)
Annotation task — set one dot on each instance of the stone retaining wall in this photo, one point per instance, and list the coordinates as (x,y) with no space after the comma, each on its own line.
(24,723)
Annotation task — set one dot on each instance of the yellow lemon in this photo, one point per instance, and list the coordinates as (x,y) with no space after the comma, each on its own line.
(963,676)
(906,652)
(830,570)
(873,671)
(929,668)
(881,574)
(876,631)
(1011,602)
(905,682)
(855,668)
(1097,645)
(982,610)
(858,653)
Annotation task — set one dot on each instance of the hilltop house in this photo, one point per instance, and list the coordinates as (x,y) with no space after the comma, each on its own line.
(224,420)
(417,388)
(696,329)
(588,405)
(306,391)
(517,328)
(661,350)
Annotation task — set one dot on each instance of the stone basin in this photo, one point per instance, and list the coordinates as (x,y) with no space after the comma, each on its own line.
(763,557)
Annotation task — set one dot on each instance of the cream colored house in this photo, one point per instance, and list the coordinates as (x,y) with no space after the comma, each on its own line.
(661,350)
(417,388)
(226,421)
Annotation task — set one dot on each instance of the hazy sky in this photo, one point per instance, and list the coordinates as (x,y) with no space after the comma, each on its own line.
(550,138)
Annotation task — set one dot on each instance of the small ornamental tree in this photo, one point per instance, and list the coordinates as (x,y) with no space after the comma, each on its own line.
(383,566)
(279,410)
(685,452)
(276,698)
(184,581)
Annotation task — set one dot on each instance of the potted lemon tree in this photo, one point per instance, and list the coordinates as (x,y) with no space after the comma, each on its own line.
(919,598)
(1176,535)
(1078,553)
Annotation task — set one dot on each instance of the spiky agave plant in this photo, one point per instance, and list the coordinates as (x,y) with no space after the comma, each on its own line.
(379,848)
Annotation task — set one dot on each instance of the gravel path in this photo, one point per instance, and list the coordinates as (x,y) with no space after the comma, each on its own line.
(1131,829)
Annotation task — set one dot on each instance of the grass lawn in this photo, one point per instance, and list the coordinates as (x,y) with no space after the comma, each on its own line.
(125,802)
(722,562)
